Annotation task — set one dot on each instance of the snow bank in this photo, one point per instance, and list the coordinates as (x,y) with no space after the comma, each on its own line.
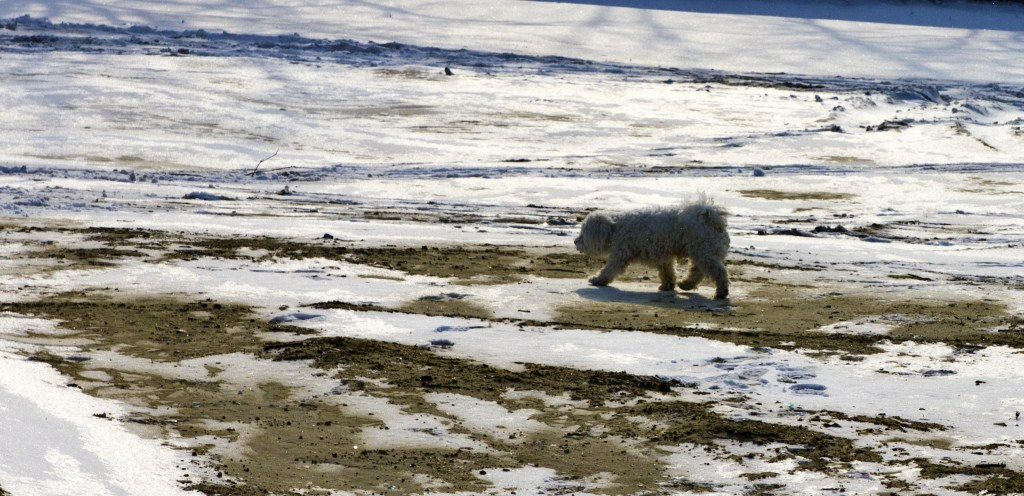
(60,441)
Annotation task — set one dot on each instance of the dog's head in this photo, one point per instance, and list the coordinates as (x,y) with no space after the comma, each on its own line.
(595,234)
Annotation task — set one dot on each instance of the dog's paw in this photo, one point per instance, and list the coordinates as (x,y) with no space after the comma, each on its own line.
(667,287)
(687,286)
(598,281)
(722,295)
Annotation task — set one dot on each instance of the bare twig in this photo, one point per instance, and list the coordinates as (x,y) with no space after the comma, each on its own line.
(290,167)
(257,168)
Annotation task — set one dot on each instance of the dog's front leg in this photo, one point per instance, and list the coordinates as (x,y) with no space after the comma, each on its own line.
(714,269)
(611,270)
(693,278)
(667,272)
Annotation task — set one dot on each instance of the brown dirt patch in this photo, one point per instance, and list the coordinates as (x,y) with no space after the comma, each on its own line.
(467,264)
(770,194)
(286,442)
(449,305)
(617,429)
(790,317)
(473,265)
(161,329)
(684,424)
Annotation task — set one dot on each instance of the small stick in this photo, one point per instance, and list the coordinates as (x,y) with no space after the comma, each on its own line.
(290,167)
(253,173)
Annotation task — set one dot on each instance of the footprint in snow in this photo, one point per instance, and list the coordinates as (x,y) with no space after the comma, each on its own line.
(811,389)
(294,317)
(445,328)
(441,343)
(791,375)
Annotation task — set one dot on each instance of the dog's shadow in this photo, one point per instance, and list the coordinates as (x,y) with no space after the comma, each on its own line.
(688,301)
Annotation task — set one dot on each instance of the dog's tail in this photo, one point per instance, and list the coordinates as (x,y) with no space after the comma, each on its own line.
(713,216)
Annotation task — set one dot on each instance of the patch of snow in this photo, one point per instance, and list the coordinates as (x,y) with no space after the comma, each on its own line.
(400,429)
(55,442)
(877,325)
(488,418)
(522,480)
(12,324)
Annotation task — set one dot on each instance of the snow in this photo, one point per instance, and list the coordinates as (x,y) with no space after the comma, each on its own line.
(54,443)
(409,430)
(881,40)
(237,101)
(143,115)
(519,480)
(488,417)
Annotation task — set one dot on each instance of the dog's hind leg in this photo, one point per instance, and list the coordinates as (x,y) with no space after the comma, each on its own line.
(693,278)
(667,272)
(714,269)
(611,270)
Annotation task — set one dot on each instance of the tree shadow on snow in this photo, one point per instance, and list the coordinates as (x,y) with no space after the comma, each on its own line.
(964,15)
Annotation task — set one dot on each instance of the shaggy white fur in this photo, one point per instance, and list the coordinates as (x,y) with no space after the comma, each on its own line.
(658,237)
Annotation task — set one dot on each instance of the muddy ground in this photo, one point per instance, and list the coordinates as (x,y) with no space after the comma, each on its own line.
(603,432)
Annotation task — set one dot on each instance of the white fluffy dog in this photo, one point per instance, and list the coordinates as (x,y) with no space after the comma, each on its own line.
(658,237)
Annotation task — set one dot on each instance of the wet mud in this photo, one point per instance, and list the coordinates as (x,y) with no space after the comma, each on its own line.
(608,433)
(770,194)
(285,442)
(794,319)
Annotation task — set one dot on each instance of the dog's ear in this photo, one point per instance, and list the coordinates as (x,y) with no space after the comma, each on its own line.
(600,228)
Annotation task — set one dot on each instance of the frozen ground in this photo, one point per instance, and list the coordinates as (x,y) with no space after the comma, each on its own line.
(275,248)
